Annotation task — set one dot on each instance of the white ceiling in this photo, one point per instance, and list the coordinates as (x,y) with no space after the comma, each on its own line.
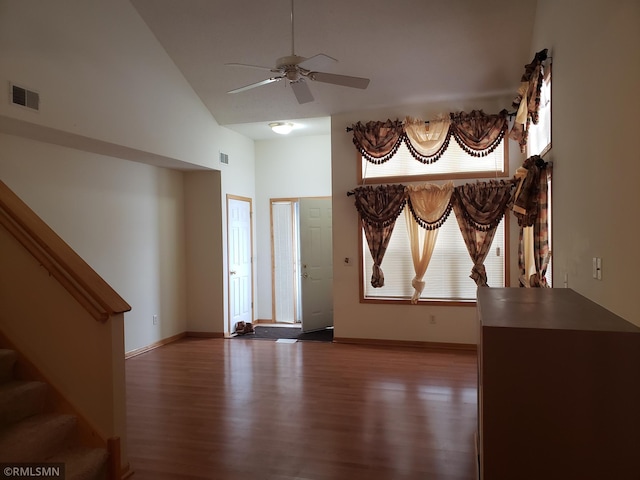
(414,52)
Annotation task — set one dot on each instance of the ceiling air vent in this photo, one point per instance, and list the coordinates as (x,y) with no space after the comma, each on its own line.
(224,158)
(25,98)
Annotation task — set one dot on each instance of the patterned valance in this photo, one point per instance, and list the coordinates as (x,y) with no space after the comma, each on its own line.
(476,132)
(378,141)
(381,205)
(483,204)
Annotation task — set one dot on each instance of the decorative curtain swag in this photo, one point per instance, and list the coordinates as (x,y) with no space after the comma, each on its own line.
(526,197)
(531,208)
(483,204)
(527,101)
(479,208)
(378,141)
(429,207)
(427,142)
(478,133)
(379,207)
(430,204)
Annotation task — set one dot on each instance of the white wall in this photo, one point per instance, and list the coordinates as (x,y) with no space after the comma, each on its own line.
(238,179)
(285,168)
(203,224)
(108,90)
(393,322)
(125,219)
(102,75)
(595,105)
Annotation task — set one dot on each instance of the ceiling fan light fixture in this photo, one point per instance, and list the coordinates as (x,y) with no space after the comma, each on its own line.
(282,128)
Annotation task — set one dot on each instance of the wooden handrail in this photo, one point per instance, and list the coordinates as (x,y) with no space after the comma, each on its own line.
(62,262)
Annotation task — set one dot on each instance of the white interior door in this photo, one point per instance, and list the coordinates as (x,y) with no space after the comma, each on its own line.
(239,231)
(316,263)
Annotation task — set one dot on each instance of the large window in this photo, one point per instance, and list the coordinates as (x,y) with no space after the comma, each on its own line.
(447,277)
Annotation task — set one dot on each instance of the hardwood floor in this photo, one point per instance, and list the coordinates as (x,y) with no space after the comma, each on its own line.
(231,410)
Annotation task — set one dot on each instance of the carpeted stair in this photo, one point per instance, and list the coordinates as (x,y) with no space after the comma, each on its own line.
(28,434)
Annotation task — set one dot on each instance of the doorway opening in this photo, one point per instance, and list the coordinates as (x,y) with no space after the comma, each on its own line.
(301,256)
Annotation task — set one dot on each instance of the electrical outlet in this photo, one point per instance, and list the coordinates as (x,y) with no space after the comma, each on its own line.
(155,319)
(432,319)
(347,261)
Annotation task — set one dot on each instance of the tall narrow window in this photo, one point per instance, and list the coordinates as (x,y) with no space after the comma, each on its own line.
(285,278)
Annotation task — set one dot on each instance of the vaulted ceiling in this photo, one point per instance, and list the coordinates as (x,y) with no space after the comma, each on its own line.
(414,52)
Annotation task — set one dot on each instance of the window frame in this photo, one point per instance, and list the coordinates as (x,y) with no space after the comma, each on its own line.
(427,177)
(470,176)
(430,301)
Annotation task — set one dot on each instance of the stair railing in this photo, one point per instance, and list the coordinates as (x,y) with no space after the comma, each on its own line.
(60,260)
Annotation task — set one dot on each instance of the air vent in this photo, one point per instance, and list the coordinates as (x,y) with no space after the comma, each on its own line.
(25,98)
(224,158)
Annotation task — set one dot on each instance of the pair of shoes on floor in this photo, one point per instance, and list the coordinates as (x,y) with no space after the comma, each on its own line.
(242,328)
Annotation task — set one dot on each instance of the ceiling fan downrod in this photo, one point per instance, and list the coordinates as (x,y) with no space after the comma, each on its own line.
(293,50)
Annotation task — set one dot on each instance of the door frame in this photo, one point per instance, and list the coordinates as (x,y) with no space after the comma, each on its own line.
(251,273)
(297,240)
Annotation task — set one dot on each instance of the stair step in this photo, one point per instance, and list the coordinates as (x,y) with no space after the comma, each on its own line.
(82,463)
(35,438)
(7,361)
(20,399)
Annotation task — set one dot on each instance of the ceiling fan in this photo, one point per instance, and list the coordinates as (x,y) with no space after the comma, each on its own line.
(297,70)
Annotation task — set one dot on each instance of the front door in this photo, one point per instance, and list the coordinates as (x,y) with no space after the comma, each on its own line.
(239,231)
(316,259)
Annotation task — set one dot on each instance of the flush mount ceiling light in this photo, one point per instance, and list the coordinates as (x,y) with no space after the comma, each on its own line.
(281,127)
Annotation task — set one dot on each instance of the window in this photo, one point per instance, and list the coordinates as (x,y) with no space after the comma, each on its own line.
(455,163)
(447,277)
(539,143)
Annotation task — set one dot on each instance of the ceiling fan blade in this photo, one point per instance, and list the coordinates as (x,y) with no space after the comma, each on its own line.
(246,65)
(257,84)
(344,80)
(317,62)
(301,91)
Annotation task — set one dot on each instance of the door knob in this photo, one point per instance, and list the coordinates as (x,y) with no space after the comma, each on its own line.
(232,272)
(305,275)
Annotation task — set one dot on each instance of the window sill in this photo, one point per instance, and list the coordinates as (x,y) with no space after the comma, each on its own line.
(423,302)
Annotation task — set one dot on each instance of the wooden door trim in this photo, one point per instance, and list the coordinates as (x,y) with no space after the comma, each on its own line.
(250,202)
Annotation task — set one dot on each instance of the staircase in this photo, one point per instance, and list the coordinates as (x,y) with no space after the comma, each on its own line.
(30,434)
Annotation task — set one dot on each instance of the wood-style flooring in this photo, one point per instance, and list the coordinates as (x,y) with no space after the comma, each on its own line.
(230,410)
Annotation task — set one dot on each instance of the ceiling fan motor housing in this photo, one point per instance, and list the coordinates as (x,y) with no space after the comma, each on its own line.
(289,61)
